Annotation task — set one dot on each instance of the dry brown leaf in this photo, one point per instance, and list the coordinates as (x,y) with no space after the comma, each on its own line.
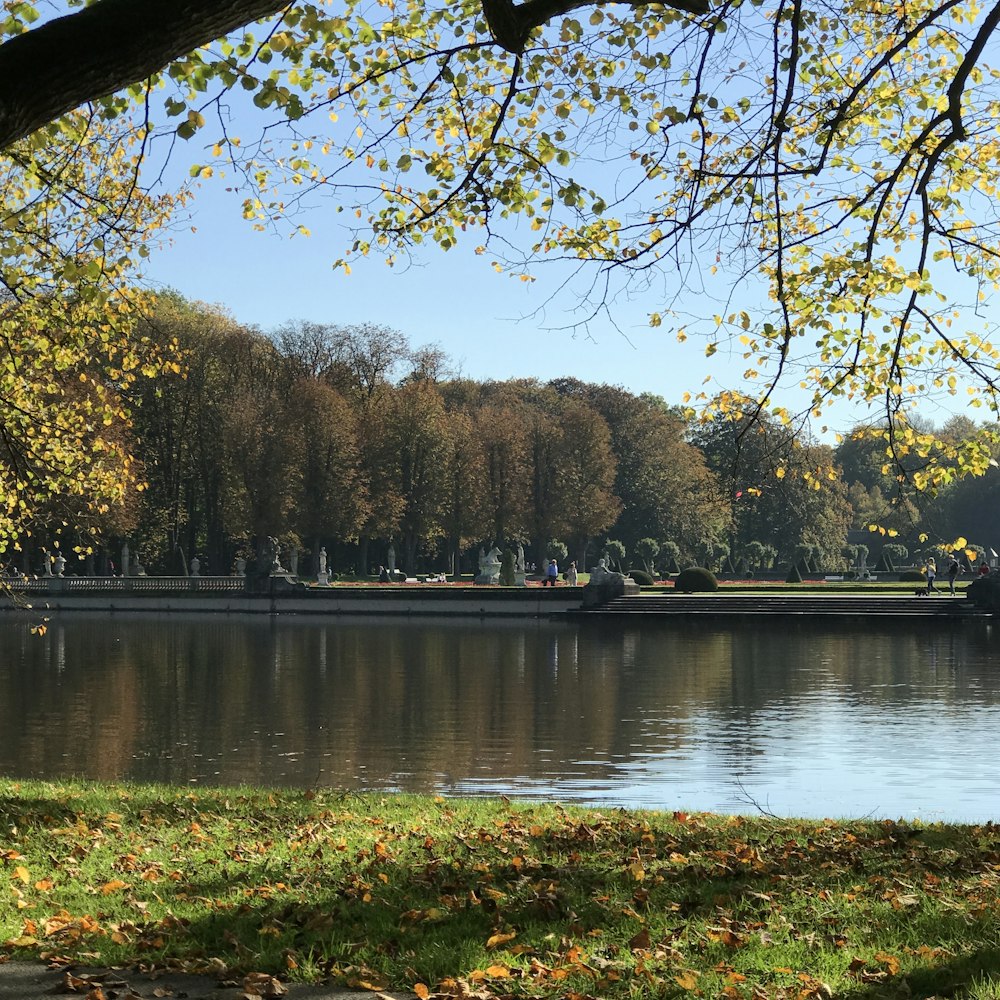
(641,941)
(262,984)
(498,939)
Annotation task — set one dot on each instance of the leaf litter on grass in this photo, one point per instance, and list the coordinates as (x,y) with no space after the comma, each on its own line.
(492,898)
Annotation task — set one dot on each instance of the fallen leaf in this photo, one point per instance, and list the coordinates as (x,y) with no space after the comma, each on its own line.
(641,940)
(261,984)
(498,939)
(687,980)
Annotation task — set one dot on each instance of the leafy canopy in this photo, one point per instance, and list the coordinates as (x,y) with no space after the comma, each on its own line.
(826,172)
(71,227)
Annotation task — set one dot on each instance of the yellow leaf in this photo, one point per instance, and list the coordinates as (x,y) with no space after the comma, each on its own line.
(498,972)
(22,873)
(421,991)
(498,939)
(780,473)
(687,980)
(113,886)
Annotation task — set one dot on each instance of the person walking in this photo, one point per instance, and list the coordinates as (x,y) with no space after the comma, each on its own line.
(931,570)
(551,574)
(953,570)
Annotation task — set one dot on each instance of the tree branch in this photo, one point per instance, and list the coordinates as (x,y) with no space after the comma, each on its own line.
(511,24)
(70,60)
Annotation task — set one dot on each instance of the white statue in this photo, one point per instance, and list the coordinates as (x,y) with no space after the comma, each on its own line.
(47,564)
(391,559)
(519,575)
(322,560)
(293,560)
(60,564)
(272,550)
(601,574)
(125,558)
(195,565)
(489,571)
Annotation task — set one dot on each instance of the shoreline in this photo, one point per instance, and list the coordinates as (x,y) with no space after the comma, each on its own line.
(282,596)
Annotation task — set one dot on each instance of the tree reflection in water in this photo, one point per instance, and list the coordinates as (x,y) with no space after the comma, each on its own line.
(809,719)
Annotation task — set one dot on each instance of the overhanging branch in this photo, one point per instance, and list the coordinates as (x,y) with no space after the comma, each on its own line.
(102,48)
(511,24)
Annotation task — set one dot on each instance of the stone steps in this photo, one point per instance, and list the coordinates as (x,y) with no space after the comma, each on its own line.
(805,605)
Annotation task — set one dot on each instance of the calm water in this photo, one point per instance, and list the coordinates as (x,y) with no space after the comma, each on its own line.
(812,720)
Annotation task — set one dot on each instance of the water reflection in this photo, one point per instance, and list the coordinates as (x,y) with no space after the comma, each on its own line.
(806,720)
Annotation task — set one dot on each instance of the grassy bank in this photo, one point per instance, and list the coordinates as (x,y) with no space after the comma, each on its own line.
(484,898)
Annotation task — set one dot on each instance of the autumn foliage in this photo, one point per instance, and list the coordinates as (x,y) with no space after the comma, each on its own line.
(493,898)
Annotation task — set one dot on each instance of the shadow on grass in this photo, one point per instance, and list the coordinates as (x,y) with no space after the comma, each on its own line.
(594,895)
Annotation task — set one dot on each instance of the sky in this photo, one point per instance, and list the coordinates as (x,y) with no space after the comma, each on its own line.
(489,324)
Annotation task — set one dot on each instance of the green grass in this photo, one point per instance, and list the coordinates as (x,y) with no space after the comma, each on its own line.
(495,897)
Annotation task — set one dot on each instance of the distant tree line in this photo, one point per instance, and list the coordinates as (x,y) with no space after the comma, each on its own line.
(350,439)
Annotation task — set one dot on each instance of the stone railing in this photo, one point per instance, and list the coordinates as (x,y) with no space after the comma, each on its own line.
(125,584)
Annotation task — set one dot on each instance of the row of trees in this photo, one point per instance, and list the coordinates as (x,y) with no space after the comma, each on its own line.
(841,156)
(348,438)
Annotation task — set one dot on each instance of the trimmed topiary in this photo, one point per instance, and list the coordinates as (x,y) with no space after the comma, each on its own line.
(912,576)
(641,577)
(794,576)
(507,569)
(696,580)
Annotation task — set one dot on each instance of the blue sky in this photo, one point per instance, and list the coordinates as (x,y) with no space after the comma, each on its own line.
(483,320)
(491,325)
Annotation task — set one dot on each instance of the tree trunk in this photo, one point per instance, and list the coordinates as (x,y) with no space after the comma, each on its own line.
(362,568)
(410,553)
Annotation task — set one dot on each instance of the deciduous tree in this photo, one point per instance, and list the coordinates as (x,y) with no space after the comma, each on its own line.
(838,153)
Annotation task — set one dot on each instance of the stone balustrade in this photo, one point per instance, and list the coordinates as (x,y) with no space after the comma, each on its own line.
(125,584)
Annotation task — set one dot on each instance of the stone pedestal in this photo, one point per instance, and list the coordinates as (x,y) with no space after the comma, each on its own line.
(606,587)
(984,592)
(323,578)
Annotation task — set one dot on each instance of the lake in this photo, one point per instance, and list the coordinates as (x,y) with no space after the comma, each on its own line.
(833,718)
